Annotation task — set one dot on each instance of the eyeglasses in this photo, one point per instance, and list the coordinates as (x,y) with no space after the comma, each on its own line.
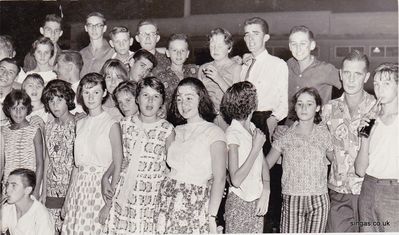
(96,26)
(145,35)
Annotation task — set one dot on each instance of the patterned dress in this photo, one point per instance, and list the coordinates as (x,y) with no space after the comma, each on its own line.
(19,149)
(144,146)
(59,139)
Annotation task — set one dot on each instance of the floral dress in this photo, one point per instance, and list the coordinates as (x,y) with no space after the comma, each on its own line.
(59,140)
(144,147)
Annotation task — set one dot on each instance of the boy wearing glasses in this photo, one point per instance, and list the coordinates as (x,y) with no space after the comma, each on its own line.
(51,29)
(147,36)
(98,51)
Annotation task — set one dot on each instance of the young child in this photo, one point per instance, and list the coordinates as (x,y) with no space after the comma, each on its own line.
(43,50)
(114,72)
(222,72)
(125,98)
(121,42)
(23,214)
(377,159)
(304,146)
(23,143)
(141,65)
(33,85)
(248,198)
(58,99)
(146,138)
(98,147)
(178,52)
(190,194)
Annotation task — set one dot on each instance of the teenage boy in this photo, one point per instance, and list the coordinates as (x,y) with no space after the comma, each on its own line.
(51,28)
(305,70)
(68,67)
(269,74)
(98,51)
(342,116)
(148,36)
(121,42)
(142,64)
(9,70)
(23,214)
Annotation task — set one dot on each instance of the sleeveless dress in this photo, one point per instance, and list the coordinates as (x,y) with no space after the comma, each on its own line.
(93,156)
(19,149)
(144,146)
(59,141)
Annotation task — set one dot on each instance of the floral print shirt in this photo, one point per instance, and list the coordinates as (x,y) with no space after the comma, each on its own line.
(343,129)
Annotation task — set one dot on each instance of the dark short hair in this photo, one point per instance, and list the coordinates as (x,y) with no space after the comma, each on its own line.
(118,29)
(91,80)
(303,29)
(11,61)
(228,38)
(313,92)
(356,55)
(152,82)
(259,21)
(28,177)
(33,76)
(45,41)
(71,56)
(116,65)
(58,88)
(125,86)
(179,36)
(239,101)
(97,14)
(147,22)
(387,70)
(143,53)
(16,96)
(7,44)
(53,18)
(206,108)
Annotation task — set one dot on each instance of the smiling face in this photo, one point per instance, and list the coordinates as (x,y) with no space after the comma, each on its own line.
(306,107)
(33,88)
(301,45)
(148,37)
(127,103)
(140,69)
(93,96)
(353,75)
(121,42)
(178,52)
(218,48)
(187,101)
(8,73)
(255,38)
(58,106)
(95,27)
(42,54)
(112,79)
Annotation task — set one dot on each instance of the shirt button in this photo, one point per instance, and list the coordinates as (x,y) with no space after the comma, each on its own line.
(300,75)
(297,87)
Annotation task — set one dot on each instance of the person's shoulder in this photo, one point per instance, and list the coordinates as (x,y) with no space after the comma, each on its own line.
(326,66)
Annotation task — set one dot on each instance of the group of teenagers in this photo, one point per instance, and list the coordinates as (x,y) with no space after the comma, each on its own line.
(110,141)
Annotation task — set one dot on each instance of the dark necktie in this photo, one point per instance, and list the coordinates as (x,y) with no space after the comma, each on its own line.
(249,69)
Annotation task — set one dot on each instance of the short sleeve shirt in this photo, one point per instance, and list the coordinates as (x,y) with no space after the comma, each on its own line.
(189,155)
(304,161)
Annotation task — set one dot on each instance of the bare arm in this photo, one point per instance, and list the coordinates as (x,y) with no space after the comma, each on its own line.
(263,203)
(2,156)
(238,174)
(362,159)
(218,155)
(272,157)
(38,143)
(117,153)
